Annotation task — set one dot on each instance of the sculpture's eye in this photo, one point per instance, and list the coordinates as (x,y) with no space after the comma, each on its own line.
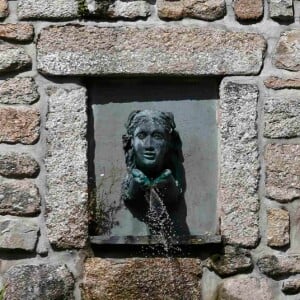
(141,135)
(158,136)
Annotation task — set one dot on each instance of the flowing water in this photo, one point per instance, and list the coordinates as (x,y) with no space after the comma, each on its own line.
(160,223)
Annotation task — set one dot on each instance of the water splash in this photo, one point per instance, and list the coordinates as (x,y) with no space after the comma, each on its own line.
(160,223)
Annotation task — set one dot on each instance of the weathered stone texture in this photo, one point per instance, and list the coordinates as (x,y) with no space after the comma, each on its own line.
(47,9)
(287,53)
(18,233)
(19,198)
(171,10)
(18,91)
(282,117)
(152,50)
(246,10)
(200,9)
(148,278)
(276,266)
(66,166)
(18,165)
(130,10)
(19,125)
(277,83)
(291,286)
(39,282)
(239,163)
(13,58)
(281,9)
(17,32)
(3,9)
(278,230)
(283,172)
(249,288)
(232,262)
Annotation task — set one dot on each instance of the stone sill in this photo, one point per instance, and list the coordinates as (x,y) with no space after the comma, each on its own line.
(203,239)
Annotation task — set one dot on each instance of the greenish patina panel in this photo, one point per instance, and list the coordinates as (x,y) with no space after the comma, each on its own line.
(197,125)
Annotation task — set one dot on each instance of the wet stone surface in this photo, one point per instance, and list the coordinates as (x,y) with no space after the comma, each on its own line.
(39,282)
(232,262)
(145,278)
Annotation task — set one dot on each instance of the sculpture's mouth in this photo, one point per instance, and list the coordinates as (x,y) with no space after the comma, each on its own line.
(149,155)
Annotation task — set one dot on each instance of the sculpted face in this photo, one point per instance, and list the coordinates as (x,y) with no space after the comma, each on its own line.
(150,145)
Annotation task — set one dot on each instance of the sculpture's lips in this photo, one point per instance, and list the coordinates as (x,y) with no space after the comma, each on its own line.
(149,155)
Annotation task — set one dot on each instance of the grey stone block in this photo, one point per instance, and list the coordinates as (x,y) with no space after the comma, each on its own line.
(287,52)
(291,286)
(279,265)
(282,117)
(281,9)
(239,163)
(47,9)
(66,166)
(20,90)
(19,198)
(13,58)
(39,282)
(116,9)
(18,165)
(18,233)
(152,50)
(232,262)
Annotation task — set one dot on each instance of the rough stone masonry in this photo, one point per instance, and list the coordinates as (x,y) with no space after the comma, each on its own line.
(48,52)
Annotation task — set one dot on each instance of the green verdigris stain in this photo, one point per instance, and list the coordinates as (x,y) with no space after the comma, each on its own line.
(2,294)
(82,8)
(103,210)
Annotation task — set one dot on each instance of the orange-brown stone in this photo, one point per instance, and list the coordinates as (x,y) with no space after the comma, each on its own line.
(246,10)
(19,125)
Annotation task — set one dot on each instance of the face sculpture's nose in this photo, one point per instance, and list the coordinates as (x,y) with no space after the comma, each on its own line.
(148,143)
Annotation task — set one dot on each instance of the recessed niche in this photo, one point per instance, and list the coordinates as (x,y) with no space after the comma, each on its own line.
(194,106)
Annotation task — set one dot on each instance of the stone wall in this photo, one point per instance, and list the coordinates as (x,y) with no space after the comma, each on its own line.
(49,48)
